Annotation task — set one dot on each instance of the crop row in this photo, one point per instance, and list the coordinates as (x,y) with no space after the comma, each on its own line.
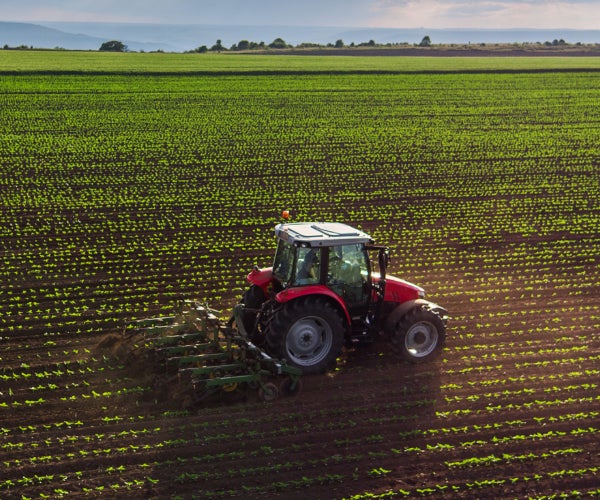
(485,486)
(202,475)
(153,207)
(123,193)
(132,449)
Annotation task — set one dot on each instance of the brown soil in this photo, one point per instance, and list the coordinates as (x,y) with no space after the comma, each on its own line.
(507,411)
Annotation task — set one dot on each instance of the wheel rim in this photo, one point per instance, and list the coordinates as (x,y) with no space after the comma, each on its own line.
(309,341)
(421,339)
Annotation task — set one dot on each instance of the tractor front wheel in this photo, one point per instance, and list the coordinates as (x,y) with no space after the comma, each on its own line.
(418,336)
(307,333)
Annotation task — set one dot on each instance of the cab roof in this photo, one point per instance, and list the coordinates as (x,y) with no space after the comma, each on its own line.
(320,234)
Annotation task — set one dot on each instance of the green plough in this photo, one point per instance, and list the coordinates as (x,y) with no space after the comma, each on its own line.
(198,352)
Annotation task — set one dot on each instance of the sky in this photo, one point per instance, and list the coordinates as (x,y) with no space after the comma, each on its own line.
(573,14)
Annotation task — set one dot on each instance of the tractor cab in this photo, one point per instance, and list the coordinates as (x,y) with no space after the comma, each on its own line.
(333,255)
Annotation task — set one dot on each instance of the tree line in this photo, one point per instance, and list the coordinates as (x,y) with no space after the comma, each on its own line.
(278,43)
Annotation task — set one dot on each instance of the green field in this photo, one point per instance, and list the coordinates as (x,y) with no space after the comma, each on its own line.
(129,181)
(95,62)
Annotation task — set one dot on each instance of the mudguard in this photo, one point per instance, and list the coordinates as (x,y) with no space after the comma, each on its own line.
(312,290)
(409,305)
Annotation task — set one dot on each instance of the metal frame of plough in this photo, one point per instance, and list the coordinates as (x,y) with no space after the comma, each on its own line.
(212,355)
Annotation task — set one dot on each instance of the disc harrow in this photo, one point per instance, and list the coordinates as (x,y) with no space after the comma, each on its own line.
(203,356)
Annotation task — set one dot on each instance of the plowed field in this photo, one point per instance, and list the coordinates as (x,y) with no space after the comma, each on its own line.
(124,192)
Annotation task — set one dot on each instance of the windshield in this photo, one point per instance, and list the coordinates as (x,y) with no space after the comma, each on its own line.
(283,264)
(297,266)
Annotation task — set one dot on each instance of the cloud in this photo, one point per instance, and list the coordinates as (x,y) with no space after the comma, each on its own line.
(578,14)
(582,14)
(231,12)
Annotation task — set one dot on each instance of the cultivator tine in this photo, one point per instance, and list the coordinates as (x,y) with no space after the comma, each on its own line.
(232,380)
(184,350)
(173,340)
(205,371)
(201,358)
(156,331)
(151,326)
(142,323)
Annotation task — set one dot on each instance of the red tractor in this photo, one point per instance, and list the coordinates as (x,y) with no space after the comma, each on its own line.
(322,292)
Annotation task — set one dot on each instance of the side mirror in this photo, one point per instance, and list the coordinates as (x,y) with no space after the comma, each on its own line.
(384,259)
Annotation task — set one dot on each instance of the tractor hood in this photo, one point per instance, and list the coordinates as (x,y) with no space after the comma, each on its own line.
(399,290)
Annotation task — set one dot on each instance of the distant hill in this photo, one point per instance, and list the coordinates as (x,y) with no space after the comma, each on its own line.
(50,37)
(181,38)
(33,35)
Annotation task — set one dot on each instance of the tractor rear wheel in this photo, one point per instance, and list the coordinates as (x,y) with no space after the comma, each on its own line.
(418,336)
(308,333)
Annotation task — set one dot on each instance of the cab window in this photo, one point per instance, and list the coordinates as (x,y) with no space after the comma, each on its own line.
(348,271)
(308,266)
(284,262)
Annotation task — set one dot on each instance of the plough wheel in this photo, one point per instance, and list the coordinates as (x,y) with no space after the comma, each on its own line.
(268,392)
(287,387)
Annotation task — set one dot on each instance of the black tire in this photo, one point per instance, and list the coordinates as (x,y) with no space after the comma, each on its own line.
(308,333)
(418,336)
(268,392)
(287,387)
(253,298)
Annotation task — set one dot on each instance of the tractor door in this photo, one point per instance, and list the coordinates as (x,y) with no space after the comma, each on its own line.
(348,275)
